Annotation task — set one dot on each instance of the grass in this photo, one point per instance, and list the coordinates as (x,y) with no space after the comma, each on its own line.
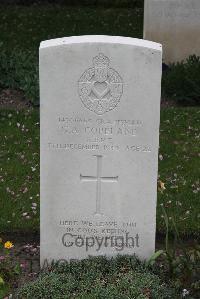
(178,168)
(19,171)
(26,27)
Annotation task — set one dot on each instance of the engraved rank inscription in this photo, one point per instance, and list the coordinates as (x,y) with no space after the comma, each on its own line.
(100,87)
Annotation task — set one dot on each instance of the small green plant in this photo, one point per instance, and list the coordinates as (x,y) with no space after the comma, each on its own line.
(181,81)
(9,269)
(181,265)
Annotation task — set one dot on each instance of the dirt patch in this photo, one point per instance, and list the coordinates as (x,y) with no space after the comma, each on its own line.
(13,99)
(168,103)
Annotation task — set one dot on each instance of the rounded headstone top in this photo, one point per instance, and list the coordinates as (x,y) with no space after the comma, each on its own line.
(101,39)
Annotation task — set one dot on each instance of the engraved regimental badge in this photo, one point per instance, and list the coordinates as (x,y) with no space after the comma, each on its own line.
(100,87)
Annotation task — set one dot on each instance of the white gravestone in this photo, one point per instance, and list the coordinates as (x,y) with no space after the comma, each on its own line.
(100,106)
(176,25)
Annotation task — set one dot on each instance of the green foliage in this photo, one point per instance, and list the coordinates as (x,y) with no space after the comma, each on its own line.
(121,277)
(19,70)
(181,82)
(4,290)
(181,266)
(9,269)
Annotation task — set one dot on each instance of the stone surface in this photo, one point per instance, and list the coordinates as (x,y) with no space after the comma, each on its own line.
(100,107)
(176,25)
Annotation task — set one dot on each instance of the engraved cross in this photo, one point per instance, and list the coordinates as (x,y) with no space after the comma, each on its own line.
(98,179)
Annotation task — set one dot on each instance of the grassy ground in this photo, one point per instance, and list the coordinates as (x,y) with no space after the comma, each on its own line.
(19,170)
(179,166)
(178,169)
(25,27)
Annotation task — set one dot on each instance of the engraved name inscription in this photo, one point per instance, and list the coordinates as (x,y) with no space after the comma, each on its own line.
(91,134)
